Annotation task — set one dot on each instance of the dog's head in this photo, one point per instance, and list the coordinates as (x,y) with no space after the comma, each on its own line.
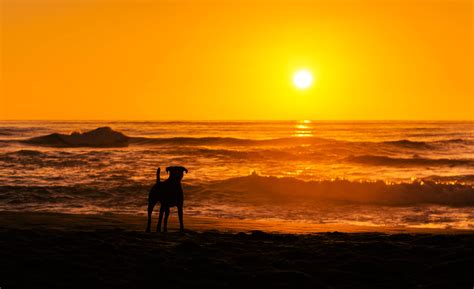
(176,172)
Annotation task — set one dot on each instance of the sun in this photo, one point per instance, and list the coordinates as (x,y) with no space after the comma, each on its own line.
(303,79)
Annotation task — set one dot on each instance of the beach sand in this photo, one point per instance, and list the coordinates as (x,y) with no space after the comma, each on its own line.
(47,250)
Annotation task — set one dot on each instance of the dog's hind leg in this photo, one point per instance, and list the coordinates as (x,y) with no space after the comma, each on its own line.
(180,215)
(151,205)
(160,218)
(165,224)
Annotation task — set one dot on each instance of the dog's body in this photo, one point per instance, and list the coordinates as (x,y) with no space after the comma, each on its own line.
(170,194)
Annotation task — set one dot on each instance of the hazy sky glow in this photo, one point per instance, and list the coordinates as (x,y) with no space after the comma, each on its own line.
(151,60)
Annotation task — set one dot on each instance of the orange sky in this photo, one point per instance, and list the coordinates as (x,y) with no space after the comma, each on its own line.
(151,60)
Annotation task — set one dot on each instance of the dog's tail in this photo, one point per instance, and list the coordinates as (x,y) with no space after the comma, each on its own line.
(158,175)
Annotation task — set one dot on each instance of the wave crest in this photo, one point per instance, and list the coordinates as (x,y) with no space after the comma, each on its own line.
(407,162)
(255,188)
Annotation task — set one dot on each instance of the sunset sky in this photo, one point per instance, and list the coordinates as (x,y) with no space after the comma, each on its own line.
(207,60)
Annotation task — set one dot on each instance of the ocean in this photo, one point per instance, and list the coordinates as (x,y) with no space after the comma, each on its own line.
(374,173)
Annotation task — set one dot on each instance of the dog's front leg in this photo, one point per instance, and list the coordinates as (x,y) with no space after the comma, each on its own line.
(180,215)
(160,218)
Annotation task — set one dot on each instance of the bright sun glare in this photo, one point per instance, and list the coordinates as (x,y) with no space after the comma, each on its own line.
(303,79)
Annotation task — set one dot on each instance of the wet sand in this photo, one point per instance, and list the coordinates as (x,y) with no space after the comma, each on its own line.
(44,250)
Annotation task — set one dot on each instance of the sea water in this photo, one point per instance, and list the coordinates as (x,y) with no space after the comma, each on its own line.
(378,173)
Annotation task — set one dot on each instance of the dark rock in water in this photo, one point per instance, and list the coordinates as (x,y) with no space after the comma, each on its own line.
(99,137)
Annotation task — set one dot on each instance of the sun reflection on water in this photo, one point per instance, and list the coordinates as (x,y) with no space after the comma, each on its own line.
(303,129)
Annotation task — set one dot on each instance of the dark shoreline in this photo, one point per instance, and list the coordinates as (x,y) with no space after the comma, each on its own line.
(90,253)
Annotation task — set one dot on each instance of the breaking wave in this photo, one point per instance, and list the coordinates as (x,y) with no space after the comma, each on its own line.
(407,162)
(248,190)
(427,145)
(292,190)
(213,141)
(209,141)
(32,158)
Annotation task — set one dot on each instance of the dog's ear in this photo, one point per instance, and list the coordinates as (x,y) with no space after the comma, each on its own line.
(158,175)
(185,169)
(168,170)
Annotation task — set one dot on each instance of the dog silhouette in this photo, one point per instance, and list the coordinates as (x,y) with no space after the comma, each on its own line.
(168,193)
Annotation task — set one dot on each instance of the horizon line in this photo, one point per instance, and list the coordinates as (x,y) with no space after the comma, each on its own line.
(234,120)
